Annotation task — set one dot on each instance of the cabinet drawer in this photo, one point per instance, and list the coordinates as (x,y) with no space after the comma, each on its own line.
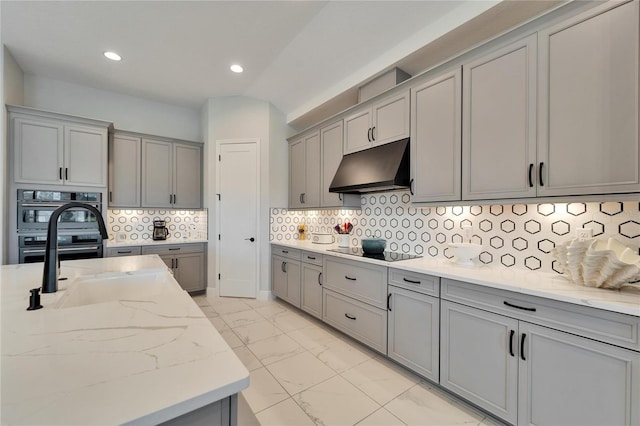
(609,327)
(425,284)
(311,257)
(124,251)
(357,319)
(367,283)
(290,253)
(173,249)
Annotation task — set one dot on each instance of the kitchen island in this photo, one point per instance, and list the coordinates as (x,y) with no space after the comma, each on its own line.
(119,343)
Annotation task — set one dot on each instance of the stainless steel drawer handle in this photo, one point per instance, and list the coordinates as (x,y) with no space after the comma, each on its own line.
(349,316)
(349,278)
(411,281)
(519,307)
(78,248)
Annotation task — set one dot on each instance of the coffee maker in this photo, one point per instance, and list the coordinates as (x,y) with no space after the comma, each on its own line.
(160,231)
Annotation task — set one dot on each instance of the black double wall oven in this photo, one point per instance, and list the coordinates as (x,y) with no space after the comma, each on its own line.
(78,234)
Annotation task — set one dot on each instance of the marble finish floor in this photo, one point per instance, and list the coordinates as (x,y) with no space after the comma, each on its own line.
(304,372)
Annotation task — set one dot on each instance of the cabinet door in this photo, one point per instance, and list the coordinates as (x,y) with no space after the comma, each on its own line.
(570,380)
(331,138)
(391,119)
(499,123)
(311,297)
(124,171)
(413,335)
(297,174)
(85,156)
(476,360)
(436,138)
(589,103)
(278,277)
(189,271)
(311,196)
(187,176)
(292,270)
(357,131)
(157,167)
(38,151)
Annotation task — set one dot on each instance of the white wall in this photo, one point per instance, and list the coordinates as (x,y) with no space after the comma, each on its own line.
(11,92)
(238,117)
(125,112)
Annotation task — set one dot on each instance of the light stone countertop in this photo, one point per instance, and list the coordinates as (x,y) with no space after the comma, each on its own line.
(136,243)
(542,284)
(139,361)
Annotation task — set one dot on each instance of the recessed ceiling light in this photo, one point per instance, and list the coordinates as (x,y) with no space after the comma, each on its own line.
(236,68)
(113,56)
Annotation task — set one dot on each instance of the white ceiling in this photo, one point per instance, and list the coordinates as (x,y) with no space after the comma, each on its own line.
(296,54)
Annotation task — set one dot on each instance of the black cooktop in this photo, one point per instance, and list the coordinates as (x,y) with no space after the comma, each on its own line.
(387,256)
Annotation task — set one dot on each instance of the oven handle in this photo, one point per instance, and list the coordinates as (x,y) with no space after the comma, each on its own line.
(30,251)
(52,204)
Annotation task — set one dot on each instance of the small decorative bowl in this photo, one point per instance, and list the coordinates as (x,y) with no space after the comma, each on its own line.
(374,245)
(464,252)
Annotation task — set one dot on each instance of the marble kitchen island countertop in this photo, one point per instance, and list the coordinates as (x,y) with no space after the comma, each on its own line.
(142,360)
(542,284)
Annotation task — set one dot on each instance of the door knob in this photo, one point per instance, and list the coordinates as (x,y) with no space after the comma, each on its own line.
(250,239)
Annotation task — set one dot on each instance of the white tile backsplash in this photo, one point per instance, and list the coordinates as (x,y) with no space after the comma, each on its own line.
(137,225)
(518,235)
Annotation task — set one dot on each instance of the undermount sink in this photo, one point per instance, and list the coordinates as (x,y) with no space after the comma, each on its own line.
(127,286)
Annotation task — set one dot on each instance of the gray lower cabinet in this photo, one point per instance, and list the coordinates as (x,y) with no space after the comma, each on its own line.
(311,284)
(124,251)
(413,331)
(355,300)
(187,261)
(285,277)
(555,372)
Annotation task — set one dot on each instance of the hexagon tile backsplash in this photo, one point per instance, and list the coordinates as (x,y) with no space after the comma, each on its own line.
(518,235)
(137,225)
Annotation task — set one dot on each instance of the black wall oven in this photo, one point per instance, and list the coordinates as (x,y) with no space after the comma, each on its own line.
(78,234)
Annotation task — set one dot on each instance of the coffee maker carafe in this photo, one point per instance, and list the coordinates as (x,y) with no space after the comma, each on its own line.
(160,231)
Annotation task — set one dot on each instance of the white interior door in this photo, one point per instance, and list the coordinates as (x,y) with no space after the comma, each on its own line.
(238,172)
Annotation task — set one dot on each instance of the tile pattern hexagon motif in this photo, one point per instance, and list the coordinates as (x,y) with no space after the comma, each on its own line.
(137,225)
(519,235)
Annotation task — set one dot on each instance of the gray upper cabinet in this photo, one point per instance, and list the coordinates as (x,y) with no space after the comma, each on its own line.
(588,92)
(171,174)
(331,140)
(304,171)
(436,138)
(499,123)
(384,121)
(124,170)
(57,149)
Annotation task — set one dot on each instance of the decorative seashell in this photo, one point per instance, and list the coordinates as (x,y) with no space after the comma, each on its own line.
(598,263)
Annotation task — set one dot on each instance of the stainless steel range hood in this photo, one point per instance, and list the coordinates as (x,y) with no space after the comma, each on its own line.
(382,168)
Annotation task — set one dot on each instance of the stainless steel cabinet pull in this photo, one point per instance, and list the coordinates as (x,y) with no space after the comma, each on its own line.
(410,281)
(519,307)
(78,248)
(511,342)
(349,316)
(349,278)
(524,335)
(320,278)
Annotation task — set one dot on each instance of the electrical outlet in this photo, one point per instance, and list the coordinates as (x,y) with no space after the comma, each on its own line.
(584,233)
(121,236)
